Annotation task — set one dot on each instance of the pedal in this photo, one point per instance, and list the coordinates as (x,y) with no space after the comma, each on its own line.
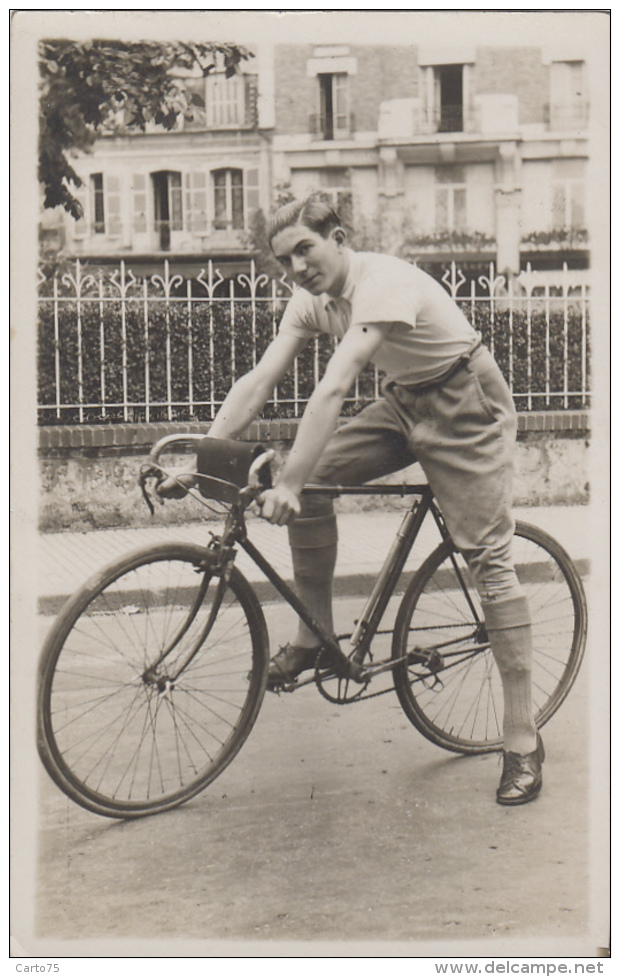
(283,687)
(432,660)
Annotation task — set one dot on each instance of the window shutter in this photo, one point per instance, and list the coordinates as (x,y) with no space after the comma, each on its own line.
(251,191)
(578,220)
(196,90)
(219,207)
(80,228)
(251,100)
(187,195)
(139,203)
(175,193)
(560,83)
(441,209)
(460,209)
(197,210)
(114,223)
(559,214)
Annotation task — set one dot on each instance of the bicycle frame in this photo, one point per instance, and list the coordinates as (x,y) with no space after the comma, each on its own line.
(367,626)
(368,623)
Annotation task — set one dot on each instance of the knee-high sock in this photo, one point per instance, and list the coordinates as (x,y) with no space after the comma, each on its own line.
(314,546)
(509,628)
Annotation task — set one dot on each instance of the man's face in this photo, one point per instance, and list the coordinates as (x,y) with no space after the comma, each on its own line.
(316,263)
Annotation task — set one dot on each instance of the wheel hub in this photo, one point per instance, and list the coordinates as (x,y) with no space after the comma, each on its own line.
(162,683)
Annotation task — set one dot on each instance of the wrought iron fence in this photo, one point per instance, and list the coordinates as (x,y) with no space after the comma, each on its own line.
(113,347)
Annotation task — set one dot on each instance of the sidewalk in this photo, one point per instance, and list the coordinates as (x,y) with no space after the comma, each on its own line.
(65,560)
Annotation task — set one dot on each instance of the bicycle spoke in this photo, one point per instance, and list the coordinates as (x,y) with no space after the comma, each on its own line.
(151,692)
(456,700)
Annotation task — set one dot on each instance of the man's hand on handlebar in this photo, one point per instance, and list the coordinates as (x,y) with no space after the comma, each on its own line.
(278,505)
(176,486)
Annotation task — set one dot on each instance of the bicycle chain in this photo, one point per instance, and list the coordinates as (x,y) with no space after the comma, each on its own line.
(360,697)
(349,702)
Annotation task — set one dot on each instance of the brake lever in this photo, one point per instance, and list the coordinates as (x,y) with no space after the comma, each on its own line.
(146,472)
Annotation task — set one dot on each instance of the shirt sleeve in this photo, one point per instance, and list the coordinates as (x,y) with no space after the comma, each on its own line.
(299,318)
(379,301)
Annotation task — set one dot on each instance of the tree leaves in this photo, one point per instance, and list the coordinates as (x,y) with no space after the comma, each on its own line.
(87,87)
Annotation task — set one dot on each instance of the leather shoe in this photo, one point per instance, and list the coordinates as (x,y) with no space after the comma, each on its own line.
(522,776)
(288,663)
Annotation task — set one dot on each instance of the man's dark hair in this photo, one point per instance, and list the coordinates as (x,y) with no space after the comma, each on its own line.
(314,213)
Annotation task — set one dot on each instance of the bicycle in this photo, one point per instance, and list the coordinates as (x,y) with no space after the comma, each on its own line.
(154,672)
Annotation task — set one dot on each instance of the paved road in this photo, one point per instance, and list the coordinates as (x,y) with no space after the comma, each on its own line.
(65,560)
(334,824)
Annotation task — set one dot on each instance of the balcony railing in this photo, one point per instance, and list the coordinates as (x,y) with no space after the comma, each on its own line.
(449,118)
(566,117)
(331,126)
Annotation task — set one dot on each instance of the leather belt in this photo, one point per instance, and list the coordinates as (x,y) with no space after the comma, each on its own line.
(416,388)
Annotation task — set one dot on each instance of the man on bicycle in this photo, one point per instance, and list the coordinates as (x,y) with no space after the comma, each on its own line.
(444,404)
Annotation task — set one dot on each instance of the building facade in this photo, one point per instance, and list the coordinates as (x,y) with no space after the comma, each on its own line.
(476,154)
(186,195)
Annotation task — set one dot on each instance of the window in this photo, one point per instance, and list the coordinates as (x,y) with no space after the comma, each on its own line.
(168,205)
(568,103)
(567,196)
(192,202)
(196,201)
(218,102)
(101,202)
(449,97)
(228,204)
(567,208)
(225,103)
(335,184)
(450,199)
(334,118)
(97,203)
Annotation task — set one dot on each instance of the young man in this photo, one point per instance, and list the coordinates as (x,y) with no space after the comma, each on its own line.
(445,404)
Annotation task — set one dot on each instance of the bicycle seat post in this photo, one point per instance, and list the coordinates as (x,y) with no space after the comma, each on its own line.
(388,576)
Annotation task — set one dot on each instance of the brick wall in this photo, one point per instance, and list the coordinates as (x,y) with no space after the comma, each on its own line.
(92,437)
(88,476)
(295,94)
(383,72)
(513,71)
(387,72)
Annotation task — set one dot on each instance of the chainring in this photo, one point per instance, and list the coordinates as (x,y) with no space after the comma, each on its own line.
(334,687)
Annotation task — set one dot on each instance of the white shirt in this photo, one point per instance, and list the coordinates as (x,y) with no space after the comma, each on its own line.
(426,331)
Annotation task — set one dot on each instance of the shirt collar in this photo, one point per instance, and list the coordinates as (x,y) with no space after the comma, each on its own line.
(349,284)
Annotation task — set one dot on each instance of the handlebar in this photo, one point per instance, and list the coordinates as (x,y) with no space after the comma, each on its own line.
(226,458)
(171,439)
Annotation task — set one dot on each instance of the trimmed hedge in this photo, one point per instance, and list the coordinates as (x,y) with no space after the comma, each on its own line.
(219,351)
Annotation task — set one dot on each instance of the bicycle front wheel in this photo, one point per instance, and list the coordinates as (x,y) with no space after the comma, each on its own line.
(150,681)
(449,687)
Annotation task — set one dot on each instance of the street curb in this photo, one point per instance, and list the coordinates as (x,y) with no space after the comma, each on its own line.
(345,585)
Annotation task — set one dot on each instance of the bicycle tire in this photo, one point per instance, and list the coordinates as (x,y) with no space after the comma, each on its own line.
(116,735)
(456,703)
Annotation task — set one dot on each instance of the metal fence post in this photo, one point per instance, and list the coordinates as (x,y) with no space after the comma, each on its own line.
(103,340)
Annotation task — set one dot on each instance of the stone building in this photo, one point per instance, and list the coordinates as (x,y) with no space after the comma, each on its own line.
(477,154)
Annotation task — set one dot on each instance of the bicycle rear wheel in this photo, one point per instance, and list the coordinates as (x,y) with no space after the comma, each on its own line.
(150,681)
(452,693)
